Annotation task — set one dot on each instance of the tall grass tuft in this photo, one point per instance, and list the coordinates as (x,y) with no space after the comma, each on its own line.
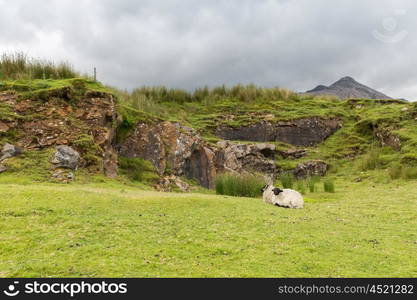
(328,186)
(301,187)
(311,183)
(239,185)
(395,171)
(370,161)
(15,66)
(287,180)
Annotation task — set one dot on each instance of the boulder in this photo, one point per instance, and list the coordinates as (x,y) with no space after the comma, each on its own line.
(168,183)
(9,151)
(2,168)
(311,168)
(63,176)
(66,157)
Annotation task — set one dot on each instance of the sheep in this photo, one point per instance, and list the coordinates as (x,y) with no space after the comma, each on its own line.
(283,198)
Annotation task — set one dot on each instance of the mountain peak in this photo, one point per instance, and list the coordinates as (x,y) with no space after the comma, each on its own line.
(347,87)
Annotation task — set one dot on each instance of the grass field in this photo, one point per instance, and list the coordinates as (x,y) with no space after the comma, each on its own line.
(112,230)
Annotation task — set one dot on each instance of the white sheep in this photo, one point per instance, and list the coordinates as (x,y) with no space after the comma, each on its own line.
(284,198)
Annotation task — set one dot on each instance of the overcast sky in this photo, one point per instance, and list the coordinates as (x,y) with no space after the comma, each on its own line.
(296,44)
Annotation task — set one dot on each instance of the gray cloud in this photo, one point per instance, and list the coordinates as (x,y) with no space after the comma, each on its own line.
(185,43)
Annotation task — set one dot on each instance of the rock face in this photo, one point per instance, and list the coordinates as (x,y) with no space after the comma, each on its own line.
(65,122)
(246,157)
(311,168)
(66,157)
(347,87)
(300,132)
(179,150)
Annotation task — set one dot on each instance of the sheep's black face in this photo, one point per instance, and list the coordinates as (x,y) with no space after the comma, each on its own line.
(277,191)
(264,188)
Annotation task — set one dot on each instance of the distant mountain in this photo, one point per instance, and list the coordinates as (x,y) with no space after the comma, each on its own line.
(347,87)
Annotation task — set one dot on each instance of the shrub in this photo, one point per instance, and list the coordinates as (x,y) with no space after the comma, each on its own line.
(328,186)
(243,185)
(287,180)
(138,169)
(395,171)
(409,173)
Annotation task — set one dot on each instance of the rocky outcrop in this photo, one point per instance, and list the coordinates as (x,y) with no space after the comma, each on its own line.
(66,157)
(258,158)
(299,132)
(311,168)
(86,124)
(179,150)
(387,138)
(293,153)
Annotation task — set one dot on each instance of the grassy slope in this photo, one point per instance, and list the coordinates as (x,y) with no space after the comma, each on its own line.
(112,230)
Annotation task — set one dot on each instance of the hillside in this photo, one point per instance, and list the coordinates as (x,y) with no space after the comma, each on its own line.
(346,88)
(159,133)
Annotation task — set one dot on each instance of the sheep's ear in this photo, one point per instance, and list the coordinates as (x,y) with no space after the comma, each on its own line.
(277,191)
(264,188)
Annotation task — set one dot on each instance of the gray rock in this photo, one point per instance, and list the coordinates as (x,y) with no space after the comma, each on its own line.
(66,157)
(9,151)
(3,169)
(311,168)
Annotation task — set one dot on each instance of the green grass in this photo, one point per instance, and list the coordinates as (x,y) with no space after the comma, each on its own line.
(19,66)
(328,185)
(113,230)
(287,180)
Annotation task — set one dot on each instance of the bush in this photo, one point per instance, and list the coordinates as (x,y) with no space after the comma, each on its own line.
(287,180)
(243,185)
(395,171)
(138,169)
(328,186)
(409,173)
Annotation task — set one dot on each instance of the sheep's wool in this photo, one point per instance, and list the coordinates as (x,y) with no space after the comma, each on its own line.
(268,195)
(289,198)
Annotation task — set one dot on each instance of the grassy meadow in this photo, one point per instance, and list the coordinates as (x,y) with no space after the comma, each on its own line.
(110,229)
